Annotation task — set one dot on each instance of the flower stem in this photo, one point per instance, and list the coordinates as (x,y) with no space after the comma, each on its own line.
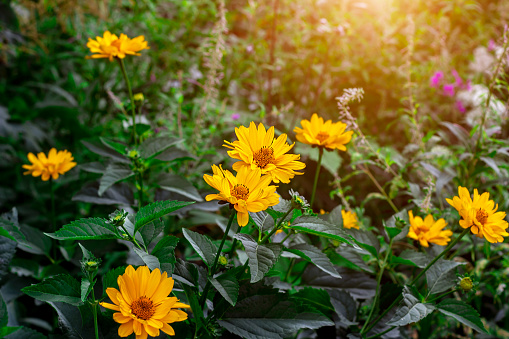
(133,239)
(266,237)
(218,254)
(94,311)
(53,223)
(317,174)
(133,110)
(140,190)
(398,299)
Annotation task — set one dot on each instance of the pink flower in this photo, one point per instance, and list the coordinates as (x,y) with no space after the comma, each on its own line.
(491,45)
(235,116)
(460,107)
(457,78)
(449,90)
(436,78)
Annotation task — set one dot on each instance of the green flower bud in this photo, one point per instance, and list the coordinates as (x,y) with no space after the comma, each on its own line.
(222,260)
(466,284)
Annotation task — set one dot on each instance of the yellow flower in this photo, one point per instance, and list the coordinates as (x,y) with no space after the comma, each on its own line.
(249,191)
(110,46)
(138,97)
(480,214)
(279,232)
(51,166)
(143,305)
(428,230)
(326,134)
(257,148)
(349,219)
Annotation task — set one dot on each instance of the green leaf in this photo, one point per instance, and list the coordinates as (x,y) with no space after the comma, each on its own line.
(60,288)
(313,255)
(165,253)
(205,248)
(441,276)
(317,298)
(410,310)
(192,298)
(9,222)
(105,151)
(344,305)
(24,333)
(227,285)
(154,146)
(5,331)
(151,261)
(87,255)
(411,258)
(366,240)
(86,229)
(3,312)
(178,184)
(110,278)
(272,317)
(150,231)
(462,312)
(71,320)
(261,257)
(36,242)
(317,226)
(86,288)
(115,172)
(156,210)
(263,220)
(117,146)
(7,250)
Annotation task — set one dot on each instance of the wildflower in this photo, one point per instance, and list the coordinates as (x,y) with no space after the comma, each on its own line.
(138,97)
(110,46)
(466,284)
(279,232)
(118,217)
(142,303)
(349,219)
(480,215)
(322,211)
(298,201)
(460,107)
(235,116)
(257,148)
(249,191)
(223,260)
(318,133)
(436,79)
(53,165)
(491,45)
(449,90)
(428,230)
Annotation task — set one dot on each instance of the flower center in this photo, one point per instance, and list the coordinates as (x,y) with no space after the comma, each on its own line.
(264,157)
(322,136)
(240,192)
(481,216)
(143,308)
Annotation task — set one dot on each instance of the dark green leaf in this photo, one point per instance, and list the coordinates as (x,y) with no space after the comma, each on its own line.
(9,222)
(441,276)
(5,331)
(410,310)
(110,278)
(192,298)
(150,231)
(344,305)
(412,258)
(227,285)
(317,226)
(462,312)
(3,312)
(313,255)
(151,261)
(60,288)
(205,248)
(317,298)
(366,240)
(86,288)
(119,147)
(105,151)
(119,194)
(156,210)
(154,146)
(263,220)
(36,242)
(261,257)
(178,184)
(115,172)
(25,333)
(7,250)
(165,253)
(85,229)
(87,255)
(72,319)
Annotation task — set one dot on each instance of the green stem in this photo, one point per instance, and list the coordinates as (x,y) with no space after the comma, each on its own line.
(94,311)
(133,239)
(317,174)
(378,280)
(442,295)
(140,191)
(53,222)
(133,110)
(398,299)
(266,237)
(382,333)
(213,269)
(232,250)
(289,271)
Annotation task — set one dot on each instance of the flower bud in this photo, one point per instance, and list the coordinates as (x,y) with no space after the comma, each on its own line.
(223,260)
(466,284)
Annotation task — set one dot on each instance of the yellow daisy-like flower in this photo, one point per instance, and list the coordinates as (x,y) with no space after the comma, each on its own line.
(249,191)
(428,230)
(257,148)
(53,165)
(480,214)
(111,46)
(318,133)
(143,305)
(349,219)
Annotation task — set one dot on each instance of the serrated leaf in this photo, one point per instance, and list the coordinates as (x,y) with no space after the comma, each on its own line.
(261,257)
(105,151)
(87,255)
(440,276)
(344,305)
(119,194)
(156,210)
(313,255)
(117,146)
(154,146)
(317,226)
(9,222)
(24,333)
(178,184)
(3,312)
(114,173)
(151,261)
(366,240)
(7,250)
(110,278)
(59,288)
(85,229)
(164,251)
(412,258)
(36,242)
(86,288)
(270,316)
(227,285)
(462,312)
(150,231)
(263,220)
(410,310)
(205,248)
(317,298)
(72,319)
